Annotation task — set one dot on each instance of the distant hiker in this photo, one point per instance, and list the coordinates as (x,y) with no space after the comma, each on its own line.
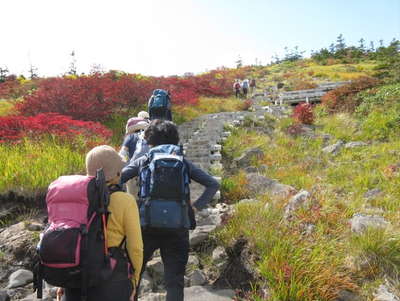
(159,105)
(93,242)
(132,142)
(252,86)
(236,87)
(164,201)
(245,87)
(133,127)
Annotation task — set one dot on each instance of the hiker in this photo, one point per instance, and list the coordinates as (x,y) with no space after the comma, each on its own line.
(236,87)
(245,87)
(252,86)
(133,143)
(165,209)
(133,127)
(159,105)
(105,235)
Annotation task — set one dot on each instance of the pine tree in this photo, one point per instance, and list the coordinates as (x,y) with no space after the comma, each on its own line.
(3,74)
(72,65)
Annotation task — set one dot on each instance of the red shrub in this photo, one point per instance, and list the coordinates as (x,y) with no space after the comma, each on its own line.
(14,128)
(303,113)
(343,99)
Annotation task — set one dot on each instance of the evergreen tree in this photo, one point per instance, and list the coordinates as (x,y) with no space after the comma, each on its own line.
(3,74)
(239,62)
(72,65)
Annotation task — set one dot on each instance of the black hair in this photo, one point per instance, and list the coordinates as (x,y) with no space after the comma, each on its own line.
(161,132)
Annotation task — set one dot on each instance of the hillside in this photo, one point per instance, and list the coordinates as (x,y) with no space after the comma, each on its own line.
(309,202)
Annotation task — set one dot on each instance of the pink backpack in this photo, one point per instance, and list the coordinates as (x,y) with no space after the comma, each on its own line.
(73,248)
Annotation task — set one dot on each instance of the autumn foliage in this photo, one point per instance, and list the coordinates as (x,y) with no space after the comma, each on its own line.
(303,113)
(343,99)
(15,128)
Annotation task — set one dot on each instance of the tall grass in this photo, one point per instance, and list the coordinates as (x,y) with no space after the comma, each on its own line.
(32,165)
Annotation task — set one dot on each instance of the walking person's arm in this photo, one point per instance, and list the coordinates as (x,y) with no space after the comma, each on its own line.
(211,186)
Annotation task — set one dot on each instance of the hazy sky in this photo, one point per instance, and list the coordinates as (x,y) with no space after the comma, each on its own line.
(164,37)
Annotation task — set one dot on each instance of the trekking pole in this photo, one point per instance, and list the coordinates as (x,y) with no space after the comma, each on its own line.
(101,182)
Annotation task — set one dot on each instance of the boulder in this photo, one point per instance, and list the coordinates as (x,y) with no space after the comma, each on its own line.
(297,201)
(18,244)
(197,277)
(153,297)
(334,148)
(200,234)
(219,254)
(359,222)
(146,284)
(355,144)
(239,270)
(372,193)
(4,296)
(202,293)
(247,157)
(155,267)
(385,293)
(258,184)
(248,201)
(20,278)
(345,295)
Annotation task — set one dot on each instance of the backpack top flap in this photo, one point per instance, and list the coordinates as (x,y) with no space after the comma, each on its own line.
(160,99)
(67,200)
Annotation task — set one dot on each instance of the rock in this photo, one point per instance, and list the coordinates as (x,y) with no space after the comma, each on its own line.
(155,267)
(197,278)
(344,295)
(35,226)
(4,296)
(193,260)
(251,169)
(248,201)
(202,293)
(219,253)
(354,144)
(258,184)
(18,244)
(186,280)
(200,234)
(32,297)
(372,193)
(334,148)
(153,297)
(309,229)
(359,222)
(146,284)
(239,270)
(384,293)
(247,157)
(20,278)
(297,201)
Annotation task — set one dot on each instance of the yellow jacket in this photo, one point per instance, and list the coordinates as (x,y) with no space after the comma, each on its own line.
(124,221)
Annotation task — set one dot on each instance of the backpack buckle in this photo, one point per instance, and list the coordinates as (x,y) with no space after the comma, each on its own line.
(83,229)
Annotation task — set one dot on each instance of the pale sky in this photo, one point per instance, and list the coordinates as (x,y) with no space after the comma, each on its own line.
(165,37)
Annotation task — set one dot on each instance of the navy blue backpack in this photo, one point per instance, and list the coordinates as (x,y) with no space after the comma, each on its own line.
(160,105)
(164,194)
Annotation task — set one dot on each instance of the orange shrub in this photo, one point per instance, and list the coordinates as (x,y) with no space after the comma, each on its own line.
(343,99)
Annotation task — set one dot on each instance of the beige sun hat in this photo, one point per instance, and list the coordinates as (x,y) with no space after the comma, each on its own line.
(143,114)
(106,157)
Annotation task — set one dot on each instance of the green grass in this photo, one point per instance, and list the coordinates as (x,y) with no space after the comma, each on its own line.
(315,267)
(33,165)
